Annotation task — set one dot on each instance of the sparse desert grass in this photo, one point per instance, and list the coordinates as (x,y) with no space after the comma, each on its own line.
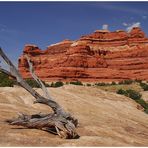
(113,88)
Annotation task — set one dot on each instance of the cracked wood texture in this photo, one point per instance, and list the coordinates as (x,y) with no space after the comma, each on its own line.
(59,121)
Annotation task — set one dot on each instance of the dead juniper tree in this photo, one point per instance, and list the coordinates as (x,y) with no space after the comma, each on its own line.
(59,121)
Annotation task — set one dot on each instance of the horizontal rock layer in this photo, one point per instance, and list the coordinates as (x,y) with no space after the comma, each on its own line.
(100,56)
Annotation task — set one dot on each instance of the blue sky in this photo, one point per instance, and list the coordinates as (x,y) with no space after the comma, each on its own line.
(45,23)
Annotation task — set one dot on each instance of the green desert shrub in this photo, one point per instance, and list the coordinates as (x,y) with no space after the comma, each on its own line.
(130,93)
(88,84)
(113,83)
(5,81)
(47,85)
(146,111)
(76,83)
(121,92)
(52,84)
(128,81)
(101,84)
(105,84)
(34,84)
(67,83)
(138,81)
(57,84)
(144,86)
(143,103)
(133,94)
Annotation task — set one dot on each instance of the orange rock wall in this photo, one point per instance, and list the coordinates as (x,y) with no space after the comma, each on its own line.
(101,56)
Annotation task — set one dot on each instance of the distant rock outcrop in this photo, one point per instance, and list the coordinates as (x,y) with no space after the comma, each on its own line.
(100,56)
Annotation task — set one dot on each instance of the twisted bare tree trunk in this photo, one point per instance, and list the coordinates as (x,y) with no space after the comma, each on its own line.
(59,122)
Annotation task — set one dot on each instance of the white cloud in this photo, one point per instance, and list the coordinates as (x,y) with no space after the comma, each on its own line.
(125,24)
(130,27)
(105,26)
(144,17)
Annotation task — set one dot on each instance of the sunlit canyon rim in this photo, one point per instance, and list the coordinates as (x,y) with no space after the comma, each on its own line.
(102,56)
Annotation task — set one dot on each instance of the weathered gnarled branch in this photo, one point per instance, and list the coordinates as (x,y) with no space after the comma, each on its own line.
(60,121)
(45,91)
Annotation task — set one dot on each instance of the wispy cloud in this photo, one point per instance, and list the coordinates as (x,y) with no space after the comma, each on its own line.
(144,17)
(129,27)
(105,26)
(125,24)
(5,29)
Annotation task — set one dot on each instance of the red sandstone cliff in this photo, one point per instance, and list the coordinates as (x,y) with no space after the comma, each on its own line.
(100,56)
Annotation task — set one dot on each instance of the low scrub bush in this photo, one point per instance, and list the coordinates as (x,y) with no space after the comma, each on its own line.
(121,92)
(57,84)
(146,111)
(144,86)
(101,84)
(135,96)
(76,83)
(142,103)
(67,83)
(88,84)
(130,93)
(5,81)
(126,81)
(113,83)
(34,84)
(105,84)
(138,81)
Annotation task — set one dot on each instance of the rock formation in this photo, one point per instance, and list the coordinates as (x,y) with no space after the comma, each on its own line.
(101,56)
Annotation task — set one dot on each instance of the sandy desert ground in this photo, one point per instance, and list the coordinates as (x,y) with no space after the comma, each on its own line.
(105,119)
